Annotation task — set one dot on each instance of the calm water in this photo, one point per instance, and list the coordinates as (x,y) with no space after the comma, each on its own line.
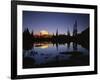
(49,55)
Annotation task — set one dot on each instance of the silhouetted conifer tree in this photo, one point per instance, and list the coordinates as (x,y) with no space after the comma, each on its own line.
(75,29)
(57,32)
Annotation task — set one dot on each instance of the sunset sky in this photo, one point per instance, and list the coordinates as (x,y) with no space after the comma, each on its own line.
(51,21)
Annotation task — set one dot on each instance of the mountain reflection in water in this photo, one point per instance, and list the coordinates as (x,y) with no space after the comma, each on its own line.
(41,45)
(55,55)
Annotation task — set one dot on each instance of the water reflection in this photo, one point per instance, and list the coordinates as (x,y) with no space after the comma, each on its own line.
(50,55)
(41,45)
(68,45)
(74,46)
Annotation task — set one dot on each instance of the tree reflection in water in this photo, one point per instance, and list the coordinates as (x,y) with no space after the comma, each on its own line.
(51,55)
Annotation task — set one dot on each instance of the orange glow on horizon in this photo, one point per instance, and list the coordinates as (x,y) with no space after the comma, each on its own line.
(44,32)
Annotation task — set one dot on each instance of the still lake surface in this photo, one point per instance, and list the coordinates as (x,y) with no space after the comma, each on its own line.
(55,55)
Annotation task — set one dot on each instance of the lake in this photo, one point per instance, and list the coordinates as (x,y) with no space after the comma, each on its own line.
(48,54)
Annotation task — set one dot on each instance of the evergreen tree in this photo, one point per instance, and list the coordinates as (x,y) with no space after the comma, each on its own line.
(75,29)
(57,32)
(68,32)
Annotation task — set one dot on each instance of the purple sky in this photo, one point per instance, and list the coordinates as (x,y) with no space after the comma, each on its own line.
(50,21)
